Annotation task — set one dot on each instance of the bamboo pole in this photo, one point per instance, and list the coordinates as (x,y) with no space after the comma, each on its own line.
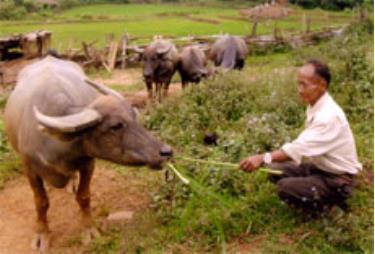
(124,45)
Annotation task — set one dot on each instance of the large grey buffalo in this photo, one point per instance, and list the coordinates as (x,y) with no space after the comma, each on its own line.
(160,62)
(58,122)
(229,52)
(192,65)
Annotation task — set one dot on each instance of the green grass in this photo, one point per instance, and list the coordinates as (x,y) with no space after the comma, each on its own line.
(141,10)
(90,23)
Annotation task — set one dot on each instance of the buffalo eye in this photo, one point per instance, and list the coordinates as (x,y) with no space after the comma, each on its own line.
(162,57)
(117,127)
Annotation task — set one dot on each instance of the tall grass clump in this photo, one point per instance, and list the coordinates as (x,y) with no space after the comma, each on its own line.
(9,164)
(252,114)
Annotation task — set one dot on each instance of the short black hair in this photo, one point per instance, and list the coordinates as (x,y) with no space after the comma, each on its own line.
(321,69)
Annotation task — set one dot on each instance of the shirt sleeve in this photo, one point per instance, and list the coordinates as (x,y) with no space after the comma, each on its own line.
(318,139)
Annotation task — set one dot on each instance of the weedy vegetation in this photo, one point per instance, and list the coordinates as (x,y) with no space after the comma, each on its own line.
(252,114)
(9,164)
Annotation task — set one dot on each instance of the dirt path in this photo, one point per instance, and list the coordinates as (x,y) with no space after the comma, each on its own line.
(125,77)
(111,192)
(130,77)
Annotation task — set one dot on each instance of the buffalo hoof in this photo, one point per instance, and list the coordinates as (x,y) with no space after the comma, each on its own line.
(41,242)
(72,186)
(89,234)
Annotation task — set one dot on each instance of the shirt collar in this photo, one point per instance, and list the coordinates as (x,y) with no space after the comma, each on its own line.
(312,110)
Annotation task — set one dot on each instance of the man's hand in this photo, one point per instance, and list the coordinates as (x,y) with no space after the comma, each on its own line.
(251,163)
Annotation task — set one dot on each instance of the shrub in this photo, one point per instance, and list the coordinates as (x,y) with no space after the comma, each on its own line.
(255,114)
(6,9)
(328,4)
(66,4)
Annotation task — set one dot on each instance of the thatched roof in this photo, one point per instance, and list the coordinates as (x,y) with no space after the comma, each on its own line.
(266,11)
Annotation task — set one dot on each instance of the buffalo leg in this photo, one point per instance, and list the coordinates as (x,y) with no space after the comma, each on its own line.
(183,83)
(158,91)
(165,88)
(149,89)
(240,64)
(42,238)
(83,199)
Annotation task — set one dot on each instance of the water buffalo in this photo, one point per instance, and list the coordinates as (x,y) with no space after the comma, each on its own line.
(160,62)
(229,52)
(58,122)
(192,65)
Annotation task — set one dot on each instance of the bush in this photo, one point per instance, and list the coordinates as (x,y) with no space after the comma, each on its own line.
(249,116)
(255,114)
(6,9)
(30,5)
(66,4)
(328,4)
(13,9)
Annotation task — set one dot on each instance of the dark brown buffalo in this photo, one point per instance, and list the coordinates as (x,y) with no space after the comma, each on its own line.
(160,63)
(192,65)
(229,52)
(59,122)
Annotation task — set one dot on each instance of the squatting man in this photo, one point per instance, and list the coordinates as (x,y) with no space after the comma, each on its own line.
(318,168)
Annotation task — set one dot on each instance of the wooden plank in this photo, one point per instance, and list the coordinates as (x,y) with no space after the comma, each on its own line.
(86,50)
(111,60)
(124,45)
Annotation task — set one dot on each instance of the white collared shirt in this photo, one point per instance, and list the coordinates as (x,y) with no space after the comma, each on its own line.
(327,141)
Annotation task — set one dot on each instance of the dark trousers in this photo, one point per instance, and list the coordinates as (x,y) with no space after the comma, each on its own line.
(307,187)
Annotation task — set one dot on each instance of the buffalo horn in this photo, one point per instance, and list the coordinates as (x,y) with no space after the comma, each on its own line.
(70,123)
(138,50)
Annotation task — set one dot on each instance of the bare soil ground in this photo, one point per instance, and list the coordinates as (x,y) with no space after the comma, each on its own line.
(111,192)
(9,71)
(122,77)
(130,77)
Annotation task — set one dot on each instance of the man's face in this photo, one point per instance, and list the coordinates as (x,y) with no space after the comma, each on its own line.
(310,85)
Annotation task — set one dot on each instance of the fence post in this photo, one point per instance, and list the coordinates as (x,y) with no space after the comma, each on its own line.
(303,22)
(254,30)
(308,25)
(113,48)
(124,45)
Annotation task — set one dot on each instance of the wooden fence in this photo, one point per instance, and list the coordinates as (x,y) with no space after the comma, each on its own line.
(123,52)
